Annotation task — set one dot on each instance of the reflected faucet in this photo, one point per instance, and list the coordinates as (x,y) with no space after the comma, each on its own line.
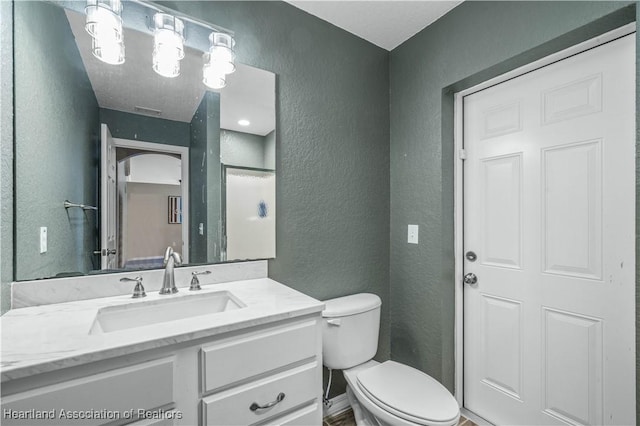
(171,259)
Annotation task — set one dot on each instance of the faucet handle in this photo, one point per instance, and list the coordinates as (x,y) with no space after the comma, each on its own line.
(195,283)
(138,290)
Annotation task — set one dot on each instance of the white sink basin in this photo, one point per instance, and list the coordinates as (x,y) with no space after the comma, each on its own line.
(171,308)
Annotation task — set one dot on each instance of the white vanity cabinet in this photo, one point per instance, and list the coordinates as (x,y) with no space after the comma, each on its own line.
(266,374)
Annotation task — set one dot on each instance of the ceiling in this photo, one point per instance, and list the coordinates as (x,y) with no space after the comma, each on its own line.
(249,94)
(385,23)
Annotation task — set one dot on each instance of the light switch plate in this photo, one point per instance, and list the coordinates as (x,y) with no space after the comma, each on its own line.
(43,239)
(412,234)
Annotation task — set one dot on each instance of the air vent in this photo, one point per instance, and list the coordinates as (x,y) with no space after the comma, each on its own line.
(149,111)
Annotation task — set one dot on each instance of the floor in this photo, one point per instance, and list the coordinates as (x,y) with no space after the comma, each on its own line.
(346,419)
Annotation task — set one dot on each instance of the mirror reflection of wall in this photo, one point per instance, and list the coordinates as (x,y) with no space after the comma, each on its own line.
(247,150)
(63,95)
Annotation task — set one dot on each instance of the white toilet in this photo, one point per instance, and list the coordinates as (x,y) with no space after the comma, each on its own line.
(387,393)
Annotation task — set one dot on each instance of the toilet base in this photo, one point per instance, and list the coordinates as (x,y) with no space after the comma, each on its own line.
(360,414)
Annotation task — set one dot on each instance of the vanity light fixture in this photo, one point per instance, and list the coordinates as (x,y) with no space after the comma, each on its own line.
(104,24)
(219,60)
(168,44)
(244,122)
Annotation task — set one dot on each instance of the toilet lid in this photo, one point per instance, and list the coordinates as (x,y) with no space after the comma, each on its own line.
(408,393)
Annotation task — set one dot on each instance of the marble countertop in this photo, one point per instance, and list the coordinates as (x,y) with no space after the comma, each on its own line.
(46,338)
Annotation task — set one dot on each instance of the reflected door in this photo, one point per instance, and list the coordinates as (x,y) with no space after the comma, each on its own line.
(250,211)
(108,225)
(549,192)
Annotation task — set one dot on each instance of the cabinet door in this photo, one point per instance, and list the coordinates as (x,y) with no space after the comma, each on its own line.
(112,396)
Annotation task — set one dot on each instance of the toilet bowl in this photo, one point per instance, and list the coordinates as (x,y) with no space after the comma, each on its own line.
(388,393)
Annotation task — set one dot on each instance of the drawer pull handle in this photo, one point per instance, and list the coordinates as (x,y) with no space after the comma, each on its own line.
(255,406)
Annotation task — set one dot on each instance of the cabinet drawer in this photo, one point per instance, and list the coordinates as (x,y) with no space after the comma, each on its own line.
(232,407)
(236,359)
(106,396)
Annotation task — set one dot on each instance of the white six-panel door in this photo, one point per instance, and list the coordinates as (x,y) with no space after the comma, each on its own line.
(549,211)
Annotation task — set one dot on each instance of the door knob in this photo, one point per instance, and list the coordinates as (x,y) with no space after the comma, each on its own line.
(108,252)
(470,278)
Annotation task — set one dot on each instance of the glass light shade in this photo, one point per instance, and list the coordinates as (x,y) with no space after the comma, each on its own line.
(103,20)
(211,76)
(166,66)
(221,55)
(168,44)
(109,51)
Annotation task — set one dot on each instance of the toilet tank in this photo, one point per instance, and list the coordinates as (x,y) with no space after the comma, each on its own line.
(350,327)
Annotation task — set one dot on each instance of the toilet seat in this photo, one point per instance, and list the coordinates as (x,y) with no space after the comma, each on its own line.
(408,394)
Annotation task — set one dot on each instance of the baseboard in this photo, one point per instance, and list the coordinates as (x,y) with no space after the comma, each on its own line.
(474,417)
(339,404)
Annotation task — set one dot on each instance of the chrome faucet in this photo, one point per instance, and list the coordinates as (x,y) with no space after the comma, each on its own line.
(171,259)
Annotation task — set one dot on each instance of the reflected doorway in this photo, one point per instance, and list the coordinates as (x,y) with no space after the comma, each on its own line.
(248,214)
(152,203)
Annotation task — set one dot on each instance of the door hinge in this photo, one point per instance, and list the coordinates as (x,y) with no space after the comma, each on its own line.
(462,154)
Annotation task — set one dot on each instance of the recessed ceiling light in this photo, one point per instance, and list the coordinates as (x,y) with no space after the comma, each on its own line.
(244,122)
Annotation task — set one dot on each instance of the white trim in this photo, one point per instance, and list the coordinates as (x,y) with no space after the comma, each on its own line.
(339,404)
(458,182)
(183,151)
(458,246)
(474,417)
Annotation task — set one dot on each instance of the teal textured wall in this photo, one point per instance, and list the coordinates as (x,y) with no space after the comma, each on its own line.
(332,147)
(270,151)
(56,124)
(214,176)
(242,149)
(637,215)
(198,185)
(204,180)
(474,42)
(6,154)
(138,127)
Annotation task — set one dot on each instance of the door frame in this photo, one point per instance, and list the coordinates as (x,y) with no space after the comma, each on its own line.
(459,189)
(183,151)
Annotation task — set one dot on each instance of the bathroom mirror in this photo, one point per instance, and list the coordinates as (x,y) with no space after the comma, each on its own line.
(114,163)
